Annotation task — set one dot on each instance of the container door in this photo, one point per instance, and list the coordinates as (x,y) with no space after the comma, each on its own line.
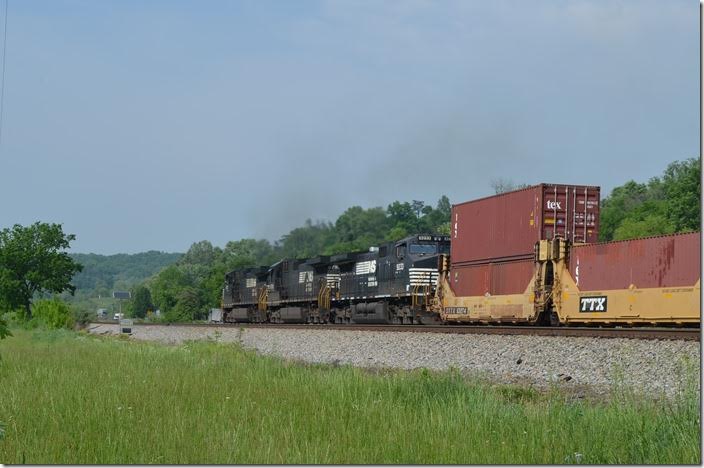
(555,211)
(584,215)
(571,212)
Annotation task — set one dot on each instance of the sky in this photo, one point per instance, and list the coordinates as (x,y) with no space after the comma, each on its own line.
(150,125)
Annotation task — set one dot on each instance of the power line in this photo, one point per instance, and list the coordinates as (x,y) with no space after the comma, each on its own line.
(2,84)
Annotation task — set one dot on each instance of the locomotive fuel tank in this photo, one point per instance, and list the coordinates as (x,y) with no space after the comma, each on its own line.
(239,314)
(370,312)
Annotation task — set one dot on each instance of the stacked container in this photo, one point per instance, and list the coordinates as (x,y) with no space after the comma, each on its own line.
(650,262)
(493,238)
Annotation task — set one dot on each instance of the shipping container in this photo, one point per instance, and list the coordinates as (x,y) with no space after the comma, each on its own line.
(651,262)
(492,279)
(507,226)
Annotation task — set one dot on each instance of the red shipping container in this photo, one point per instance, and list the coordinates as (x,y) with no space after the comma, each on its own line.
(507,226)
(650,262)
(492,278)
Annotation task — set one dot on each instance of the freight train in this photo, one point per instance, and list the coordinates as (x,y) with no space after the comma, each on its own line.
(524,257)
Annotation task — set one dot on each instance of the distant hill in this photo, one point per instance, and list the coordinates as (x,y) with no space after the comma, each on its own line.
(104,273)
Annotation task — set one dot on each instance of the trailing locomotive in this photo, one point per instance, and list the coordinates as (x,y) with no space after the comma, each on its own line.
(392,283)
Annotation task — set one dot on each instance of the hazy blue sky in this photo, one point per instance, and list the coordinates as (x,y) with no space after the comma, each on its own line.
(152,124)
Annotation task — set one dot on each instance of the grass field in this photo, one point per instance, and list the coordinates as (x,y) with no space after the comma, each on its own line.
(70,398)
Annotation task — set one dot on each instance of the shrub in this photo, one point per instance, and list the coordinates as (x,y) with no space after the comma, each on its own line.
(52,314)
(82,316)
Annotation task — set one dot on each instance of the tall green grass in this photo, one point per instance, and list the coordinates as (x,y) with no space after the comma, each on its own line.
(70,398)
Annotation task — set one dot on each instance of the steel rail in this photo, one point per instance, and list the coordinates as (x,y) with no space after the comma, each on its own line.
(641,333)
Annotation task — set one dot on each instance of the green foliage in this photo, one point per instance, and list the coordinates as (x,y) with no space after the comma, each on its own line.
(104,273)
(4,330)
(32,261)
(662,206)
(358,229)
(166,285)
(141,302)
(80,316)
(683,190)
(201,253)
(652,225)
(402,215)
(188,306)
(52,314)
(246,253)
(307,241)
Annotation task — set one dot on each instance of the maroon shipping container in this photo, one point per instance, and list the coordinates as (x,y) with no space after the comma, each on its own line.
(650,262)
(492,278)
(507,226)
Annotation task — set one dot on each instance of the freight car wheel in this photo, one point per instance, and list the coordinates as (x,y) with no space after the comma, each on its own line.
(554,319)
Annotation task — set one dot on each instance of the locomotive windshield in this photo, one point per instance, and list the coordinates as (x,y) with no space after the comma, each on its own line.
(423,249)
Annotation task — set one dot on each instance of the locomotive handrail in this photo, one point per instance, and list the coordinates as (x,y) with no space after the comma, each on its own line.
(324,296)
(263,298)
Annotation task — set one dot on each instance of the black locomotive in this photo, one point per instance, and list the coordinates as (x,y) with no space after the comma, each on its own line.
(391,283)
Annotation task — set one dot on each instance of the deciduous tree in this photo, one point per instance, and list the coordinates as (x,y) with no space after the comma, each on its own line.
(33,260)
(141,301)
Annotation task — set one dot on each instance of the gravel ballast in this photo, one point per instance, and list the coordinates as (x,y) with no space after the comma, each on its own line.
(647,366)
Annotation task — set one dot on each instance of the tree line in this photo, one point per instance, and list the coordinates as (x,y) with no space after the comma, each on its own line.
(34,262)
(664,205)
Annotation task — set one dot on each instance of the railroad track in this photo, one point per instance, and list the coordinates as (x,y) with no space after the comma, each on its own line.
(690,334)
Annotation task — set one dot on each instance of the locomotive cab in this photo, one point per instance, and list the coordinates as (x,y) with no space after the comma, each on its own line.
(394,282)
(415,260)
(418,249)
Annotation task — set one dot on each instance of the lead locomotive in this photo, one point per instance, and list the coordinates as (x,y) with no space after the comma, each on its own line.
(392,283)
